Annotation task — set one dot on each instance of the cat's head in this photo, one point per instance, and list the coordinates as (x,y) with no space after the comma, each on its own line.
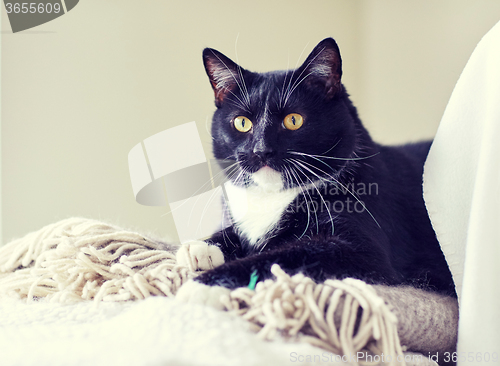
(290,127)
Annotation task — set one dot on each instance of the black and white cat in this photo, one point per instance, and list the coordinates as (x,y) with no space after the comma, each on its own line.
(310,190)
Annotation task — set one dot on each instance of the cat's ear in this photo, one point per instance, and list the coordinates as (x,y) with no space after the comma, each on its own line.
(323,68)
(225,75)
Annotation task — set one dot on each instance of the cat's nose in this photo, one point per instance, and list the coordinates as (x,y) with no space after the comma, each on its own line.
(263,152)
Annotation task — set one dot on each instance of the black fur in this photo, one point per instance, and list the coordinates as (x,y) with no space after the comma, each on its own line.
(390,242)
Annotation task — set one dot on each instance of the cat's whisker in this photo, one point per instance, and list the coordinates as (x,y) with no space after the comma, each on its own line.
(293,72)
(282,92)
(288,179)
(239,173)
(319,177)
(238,104)
(223,213)
(206,128)
(243,174)
(246,96)
(320,195)
(333,147)
(245,90)
(278,102)
(199,190)
(285,94)
(305,200)
(332,157)
(337,173)
(295,84)
(295,87)
(225,236)
(247,104)
(304,191)
(340,184)
(209,202)
(226,171)
(303,187)
(198,197)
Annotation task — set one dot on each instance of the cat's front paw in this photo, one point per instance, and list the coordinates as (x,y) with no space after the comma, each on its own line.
(199,255)
(193,292)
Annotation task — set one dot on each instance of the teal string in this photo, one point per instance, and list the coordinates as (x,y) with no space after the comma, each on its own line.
(253,280)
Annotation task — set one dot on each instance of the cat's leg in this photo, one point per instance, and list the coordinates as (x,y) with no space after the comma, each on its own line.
(317,259)
(204,255)
(199,255)
(229,243)
(222,247)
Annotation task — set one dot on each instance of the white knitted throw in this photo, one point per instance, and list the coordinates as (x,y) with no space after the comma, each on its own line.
(81,259)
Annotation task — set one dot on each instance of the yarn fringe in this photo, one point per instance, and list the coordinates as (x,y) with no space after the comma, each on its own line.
(80,259)
(346,317)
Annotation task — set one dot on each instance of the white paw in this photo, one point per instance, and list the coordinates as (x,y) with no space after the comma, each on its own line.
(199,255)
(193,292)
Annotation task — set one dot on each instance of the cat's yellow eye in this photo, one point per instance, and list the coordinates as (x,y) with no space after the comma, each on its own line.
(293,121)
(242,124)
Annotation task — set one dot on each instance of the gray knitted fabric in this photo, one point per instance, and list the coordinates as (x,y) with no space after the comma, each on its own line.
(427,322)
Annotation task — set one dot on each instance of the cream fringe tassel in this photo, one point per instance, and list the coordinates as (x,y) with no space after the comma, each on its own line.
(344,317)
(80,259)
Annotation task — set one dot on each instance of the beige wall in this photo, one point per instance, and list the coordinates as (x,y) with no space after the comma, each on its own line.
(79,92)
(412,55)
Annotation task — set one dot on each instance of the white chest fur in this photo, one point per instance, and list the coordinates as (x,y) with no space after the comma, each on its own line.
(257,209)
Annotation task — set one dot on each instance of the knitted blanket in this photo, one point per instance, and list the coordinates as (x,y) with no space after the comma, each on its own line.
(79,259)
